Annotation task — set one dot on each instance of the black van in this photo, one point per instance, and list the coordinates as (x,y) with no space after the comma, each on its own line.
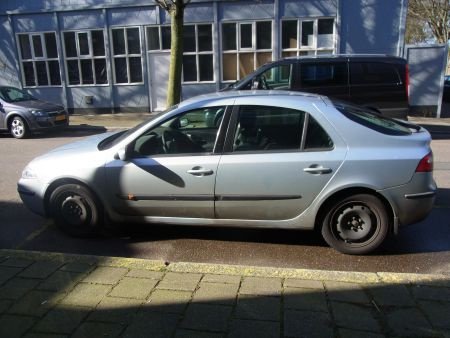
(378,82)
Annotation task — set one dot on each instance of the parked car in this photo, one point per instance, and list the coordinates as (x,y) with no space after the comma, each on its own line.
(378,82)
(22,114)
(274,159)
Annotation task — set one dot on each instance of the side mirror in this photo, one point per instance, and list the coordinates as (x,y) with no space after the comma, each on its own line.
(184,122)
(255,83)
(122,154)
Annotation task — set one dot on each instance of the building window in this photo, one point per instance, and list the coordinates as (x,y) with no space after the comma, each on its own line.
(39,59)
(198,58)
(126,43)
(246,46)
(85,57)
(307,37)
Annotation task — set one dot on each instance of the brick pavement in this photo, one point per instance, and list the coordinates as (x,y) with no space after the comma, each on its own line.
(60,295)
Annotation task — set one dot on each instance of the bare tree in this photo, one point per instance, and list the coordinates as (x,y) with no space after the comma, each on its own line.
(415,31)
(435,14)
(176,10)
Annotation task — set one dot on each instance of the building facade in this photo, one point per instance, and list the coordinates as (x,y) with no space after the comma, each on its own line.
(113,55)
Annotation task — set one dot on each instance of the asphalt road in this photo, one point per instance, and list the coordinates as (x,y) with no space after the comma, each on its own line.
(419,248)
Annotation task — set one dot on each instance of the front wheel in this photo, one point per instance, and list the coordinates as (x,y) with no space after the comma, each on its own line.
(18,127)
(76,210)
(356,225)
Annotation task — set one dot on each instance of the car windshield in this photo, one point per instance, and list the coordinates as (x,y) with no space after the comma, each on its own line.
(10,95)
(374,120)
(116,138)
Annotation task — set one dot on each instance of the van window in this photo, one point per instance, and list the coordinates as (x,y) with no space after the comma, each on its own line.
(323,74)
(278,77)
(362,73)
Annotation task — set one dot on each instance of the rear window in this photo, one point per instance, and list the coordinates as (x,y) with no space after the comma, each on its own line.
(374,121)
(364,73)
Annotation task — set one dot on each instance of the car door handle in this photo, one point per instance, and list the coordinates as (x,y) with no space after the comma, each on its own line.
(199,171)
(317,170)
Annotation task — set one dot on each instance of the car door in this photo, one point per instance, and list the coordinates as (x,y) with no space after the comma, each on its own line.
(170,169)
(274,164)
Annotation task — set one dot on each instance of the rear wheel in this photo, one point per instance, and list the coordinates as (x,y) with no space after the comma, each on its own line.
(18,127)
(357,224)
(76,210)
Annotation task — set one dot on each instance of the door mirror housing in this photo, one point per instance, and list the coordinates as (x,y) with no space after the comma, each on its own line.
(122,154)
(255,83)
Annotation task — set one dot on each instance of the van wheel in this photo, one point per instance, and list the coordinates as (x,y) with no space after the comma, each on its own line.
(76,210)
(18,127)
(356,225)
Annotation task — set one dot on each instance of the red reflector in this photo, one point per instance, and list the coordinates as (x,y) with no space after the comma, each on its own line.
(425,164)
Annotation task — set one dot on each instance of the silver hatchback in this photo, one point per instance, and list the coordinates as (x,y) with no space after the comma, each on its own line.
(249,159)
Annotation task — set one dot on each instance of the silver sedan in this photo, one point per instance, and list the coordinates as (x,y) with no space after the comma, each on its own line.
(262,159)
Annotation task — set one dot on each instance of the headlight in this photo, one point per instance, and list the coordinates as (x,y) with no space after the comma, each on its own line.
(39,113)
(28,173)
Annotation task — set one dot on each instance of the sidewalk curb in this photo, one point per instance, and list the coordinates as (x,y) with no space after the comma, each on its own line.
(246,271)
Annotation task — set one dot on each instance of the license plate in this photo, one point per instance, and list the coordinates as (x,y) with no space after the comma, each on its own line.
(60,118)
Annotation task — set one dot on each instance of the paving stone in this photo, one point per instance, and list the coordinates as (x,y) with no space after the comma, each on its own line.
(170,301)
(431,293)
(408,322)
(60,281)
(261,286)
(105,275)
(356,317)
(302,283)
(260,308)
(7,272)
(45,335)
(140,273)
(346,292)
(437,312)
(216,293)
(392,295)
(116,310)
(103,330)
(138,288)
(5,305)
(17,262)
(40,269)
(14,326)
(226,279)
(197,334)
(253,328)
(86,294)
(305,299)
(61,320)
(152,324)
(180,281)
(347,333)
(207,317)
(36,303)
(307,324)
(17,287)
(78,267)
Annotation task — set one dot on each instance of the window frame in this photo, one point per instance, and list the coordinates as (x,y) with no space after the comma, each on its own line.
(81,57)
(126,55)
(246,50)
(35,59)
(301,50)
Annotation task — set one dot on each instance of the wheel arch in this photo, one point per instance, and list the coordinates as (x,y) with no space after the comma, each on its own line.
(321,213)
(13,114)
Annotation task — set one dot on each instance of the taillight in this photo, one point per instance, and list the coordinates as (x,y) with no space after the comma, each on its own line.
(426,164)
(407,81)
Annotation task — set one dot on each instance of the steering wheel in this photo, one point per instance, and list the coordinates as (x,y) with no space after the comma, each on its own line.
(166,137)
(183,142)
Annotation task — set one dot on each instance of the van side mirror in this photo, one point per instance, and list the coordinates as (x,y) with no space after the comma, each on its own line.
(255,83)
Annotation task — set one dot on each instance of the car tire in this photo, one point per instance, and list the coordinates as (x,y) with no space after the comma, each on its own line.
(356,225)
(76,210)
(18,127)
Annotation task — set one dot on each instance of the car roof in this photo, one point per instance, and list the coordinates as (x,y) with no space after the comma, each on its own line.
(254,94)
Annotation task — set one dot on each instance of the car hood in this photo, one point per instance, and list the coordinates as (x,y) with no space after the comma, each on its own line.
(87,144)
(36,104)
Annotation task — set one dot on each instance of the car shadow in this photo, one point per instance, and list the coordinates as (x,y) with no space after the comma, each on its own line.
(67,132)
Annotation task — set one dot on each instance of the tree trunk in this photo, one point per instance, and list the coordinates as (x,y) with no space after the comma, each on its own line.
(176,55)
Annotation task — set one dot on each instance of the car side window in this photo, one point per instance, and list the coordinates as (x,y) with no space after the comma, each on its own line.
(316,137)
(264,128)
(365,73)
(193,132)
(323,74)
(277,78)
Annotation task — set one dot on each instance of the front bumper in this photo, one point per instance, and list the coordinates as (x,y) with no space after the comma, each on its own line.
(31,196)
(54,120)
